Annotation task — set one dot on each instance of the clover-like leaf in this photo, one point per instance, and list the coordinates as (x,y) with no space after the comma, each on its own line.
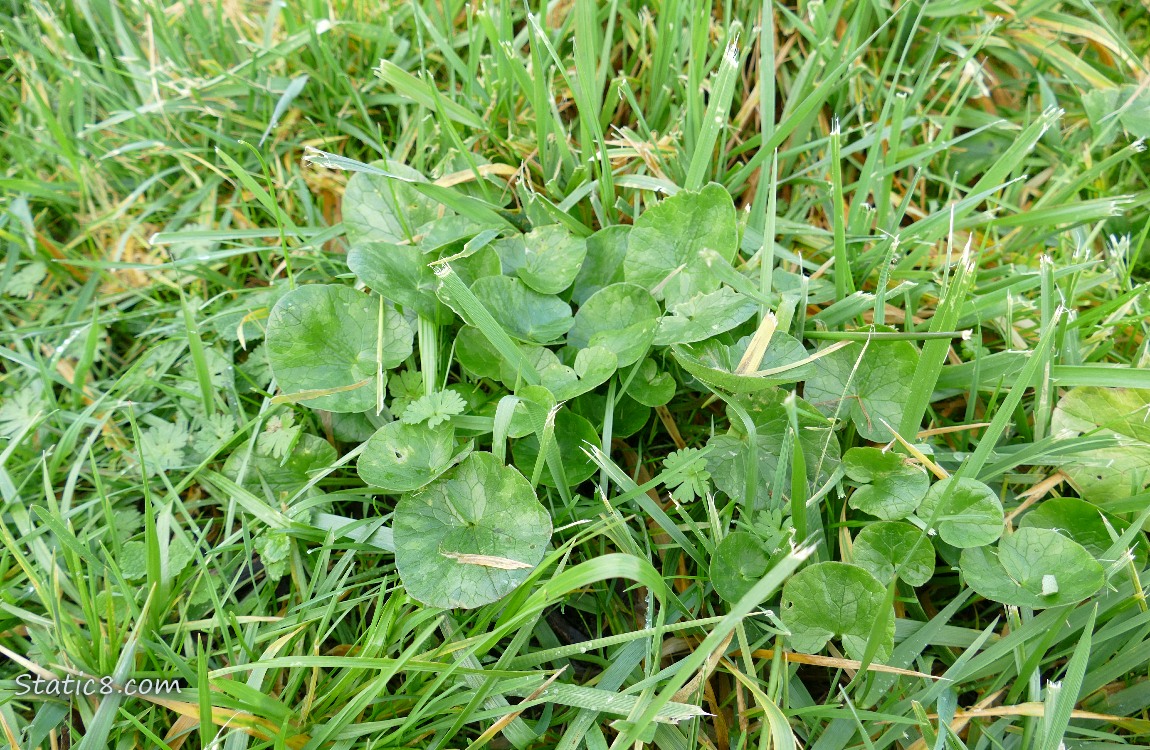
(666,246)
(835,599)
(404,457)
(399,273)
(552,258)
(523,312)
(571,432)
(891,486)
(965,511)
(329,337)
(471,536)
(620,317)
(703,316)
(1113,473)
(282,478)
(603,265)
(1033,567)
(718,364)
(651,387)
(870,389)
(381,208)
(740,561)
(884,547)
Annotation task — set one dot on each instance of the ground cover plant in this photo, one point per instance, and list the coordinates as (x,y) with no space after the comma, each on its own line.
(585,374)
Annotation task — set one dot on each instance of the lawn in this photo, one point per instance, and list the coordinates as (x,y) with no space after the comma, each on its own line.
(585,374)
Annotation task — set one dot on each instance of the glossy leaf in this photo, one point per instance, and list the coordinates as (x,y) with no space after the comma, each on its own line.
(835,599)
(891,485)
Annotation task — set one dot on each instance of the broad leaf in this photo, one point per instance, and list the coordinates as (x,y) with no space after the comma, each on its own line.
(891,485)
(1082,522)
(399,273)
(1033,568)
(401,457)
(717,364)
(966,512)
(675,233)
(592,367)
(476,353)
(571,432)
(651,387)
(884,547)
(739,563)
(621,318)
(703,316)
(523,312)
(323,337)
(552,258)
(603,265)
(1106,474)
(876,391)
(382,209)
(835,599)
(471,536)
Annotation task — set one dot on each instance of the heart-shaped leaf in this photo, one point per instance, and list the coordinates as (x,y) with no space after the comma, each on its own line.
(1033,567)
(667,242)
(966,512)
(835,599)
(703,316)
(329,337)
(718,364)
(884,547)
(571,432)
(891,486)
(471,536)
(1082,522)
(869,390)
(399,273)
(603,265)
(523,312)
(620,317)
(651,387)
(1106,474)
(592,367)
(552,258)
(377,208)
(404,457)
(739,563)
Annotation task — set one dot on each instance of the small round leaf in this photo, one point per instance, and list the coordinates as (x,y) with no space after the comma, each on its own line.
(717,364)
(966,512)
(884,547)
(651,387)
(571,432)
(740,562)
(471,536)
(523,312)
(704,316)
(892,487)
(1033,567)
(835,599)
(552,258)
(404,457)
(620,317)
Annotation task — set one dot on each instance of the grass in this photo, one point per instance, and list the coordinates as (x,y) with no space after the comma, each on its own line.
(969,169)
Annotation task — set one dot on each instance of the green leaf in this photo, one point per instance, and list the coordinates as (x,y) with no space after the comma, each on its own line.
(740,562)
(716,363)
(675,233)
(133,561)
(1082,522)
(1033,568)
(476,353)
(891,485)
(552,258)
(326,336)
(377,208)
(603,265)
(274,549)
(883,547)
(399,273)
(965,511)
(694,482)
(703,316)
(571,432)
(651,387)
(471,536)
(404,457)
(434,408)
(592,367)
(621,318)
(523,312)
(876,391)
(311,454)
(835,599)
(1106,474)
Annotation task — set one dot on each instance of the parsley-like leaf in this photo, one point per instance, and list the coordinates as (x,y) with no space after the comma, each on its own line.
(694,482)
(434,408)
